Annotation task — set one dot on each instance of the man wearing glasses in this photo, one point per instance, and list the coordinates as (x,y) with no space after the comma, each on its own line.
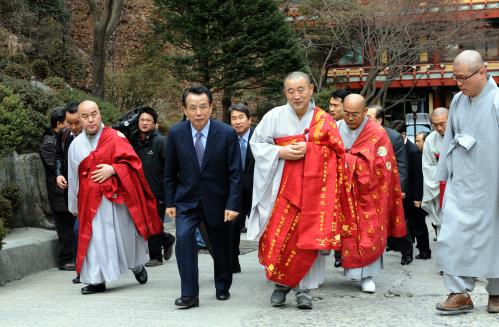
(469,234)
(371,204)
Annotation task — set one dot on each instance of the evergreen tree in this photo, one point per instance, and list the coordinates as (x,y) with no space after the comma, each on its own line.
(228,45)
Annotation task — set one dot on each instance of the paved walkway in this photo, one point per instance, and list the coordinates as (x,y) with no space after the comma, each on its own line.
(405,296)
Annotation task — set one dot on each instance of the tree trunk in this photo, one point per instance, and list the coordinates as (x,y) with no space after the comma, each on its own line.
(226,103)
(98,63)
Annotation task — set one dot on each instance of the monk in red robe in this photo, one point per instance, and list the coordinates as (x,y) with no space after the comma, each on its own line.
(297,151)
(116,207)
(370,194)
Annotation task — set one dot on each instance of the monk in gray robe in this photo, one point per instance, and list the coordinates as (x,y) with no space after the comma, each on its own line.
(468,242)
(431,154)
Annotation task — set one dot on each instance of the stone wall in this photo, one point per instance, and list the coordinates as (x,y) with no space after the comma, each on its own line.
(27,173)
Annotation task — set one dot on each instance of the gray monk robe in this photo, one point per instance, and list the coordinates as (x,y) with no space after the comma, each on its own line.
(468,244)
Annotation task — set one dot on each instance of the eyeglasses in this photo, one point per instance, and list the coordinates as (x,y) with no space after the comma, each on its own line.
(462,78)
(351,114)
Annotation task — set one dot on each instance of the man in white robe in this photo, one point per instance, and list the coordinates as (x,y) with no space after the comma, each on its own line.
(115,245)
(431,154)
(291,119)
(468,242)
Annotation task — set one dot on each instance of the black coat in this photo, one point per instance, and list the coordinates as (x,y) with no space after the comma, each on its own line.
(415,177)
(151,152)
(47,154)
(247,179)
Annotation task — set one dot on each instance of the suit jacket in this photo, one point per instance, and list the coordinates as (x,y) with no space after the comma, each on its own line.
(247,179)
(415,177)
(397,142)
(216,184)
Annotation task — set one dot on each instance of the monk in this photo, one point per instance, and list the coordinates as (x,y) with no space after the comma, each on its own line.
(371,196)
(116,208)
(297,151)
(467,246)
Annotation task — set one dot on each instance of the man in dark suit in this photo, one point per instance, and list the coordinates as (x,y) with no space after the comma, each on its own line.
(202,184)
(240,119)
(404,245)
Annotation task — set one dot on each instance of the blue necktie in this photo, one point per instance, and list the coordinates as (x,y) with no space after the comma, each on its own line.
(243,145)
(198,146)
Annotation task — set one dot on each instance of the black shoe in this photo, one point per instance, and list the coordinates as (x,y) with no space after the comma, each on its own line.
(93,288)
(68,267)
(168,246)
(337,263)
(187,302)
(222,295)
(76,280)
(141,276)
(406,259)
(424,255)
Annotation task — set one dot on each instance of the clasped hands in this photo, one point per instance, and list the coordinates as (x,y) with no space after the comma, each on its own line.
(294,151)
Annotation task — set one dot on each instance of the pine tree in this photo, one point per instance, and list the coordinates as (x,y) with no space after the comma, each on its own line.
(228,45)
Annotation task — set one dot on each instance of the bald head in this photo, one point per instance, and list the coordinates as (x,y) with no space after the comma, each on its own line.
(90,117)
(439,120)
(354,110)
(294,76)
(469,72)
(470,58)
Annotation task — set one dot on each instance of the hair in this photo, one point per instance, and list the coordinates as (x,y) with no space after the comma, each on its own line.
(150,111)
(242,107)
(340,94)
(56,116)
(197,90)
(72,107)
(297,75)
(399,126)
(425,134)
(380,113)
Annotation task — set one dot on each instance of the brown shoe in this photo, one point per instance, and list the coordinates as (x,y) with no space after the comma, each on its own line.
(493,306)
(456,303)
(153,263)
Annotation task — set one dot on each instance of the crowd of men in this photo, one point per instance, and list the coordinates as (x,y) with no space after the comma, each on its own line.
(304,182)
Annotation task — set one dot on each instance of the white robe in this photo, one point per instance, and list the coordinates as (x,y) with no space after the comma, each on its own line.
(431,187)
(278,122)
(115,245)
(349,137)
(468,244)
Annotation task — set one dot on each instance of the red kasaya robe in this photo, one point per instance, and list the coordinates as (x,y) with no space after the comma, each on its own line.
(128,186)
(303,219)
(370,197)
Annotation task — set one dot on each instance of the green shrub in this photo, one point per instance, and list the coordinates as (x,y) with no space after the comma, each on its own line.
(3,231)
(322,98)
(11,193)
(40,69)
(55,82)
(21,127)
(32,97)
(17,70)
(6,212)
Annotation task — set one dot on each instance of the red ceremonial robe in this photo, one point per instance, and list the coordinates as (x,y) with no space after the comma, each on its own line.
(370,197)
(303,219)
(128,186)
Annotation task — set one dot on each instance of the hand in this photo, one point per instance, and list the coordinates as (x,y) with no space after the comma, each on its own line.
(103,173)
(417,204)
(171,212)
(230,215)
(295,151)
(61,181)
(403,195)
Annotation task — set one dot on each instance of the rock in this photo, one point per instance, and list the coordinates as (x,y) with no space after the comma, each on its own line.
(27,173)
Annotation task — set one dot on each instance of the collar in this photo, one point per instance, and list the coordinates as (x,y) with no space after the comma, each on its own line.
(203,131)
(246,135)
